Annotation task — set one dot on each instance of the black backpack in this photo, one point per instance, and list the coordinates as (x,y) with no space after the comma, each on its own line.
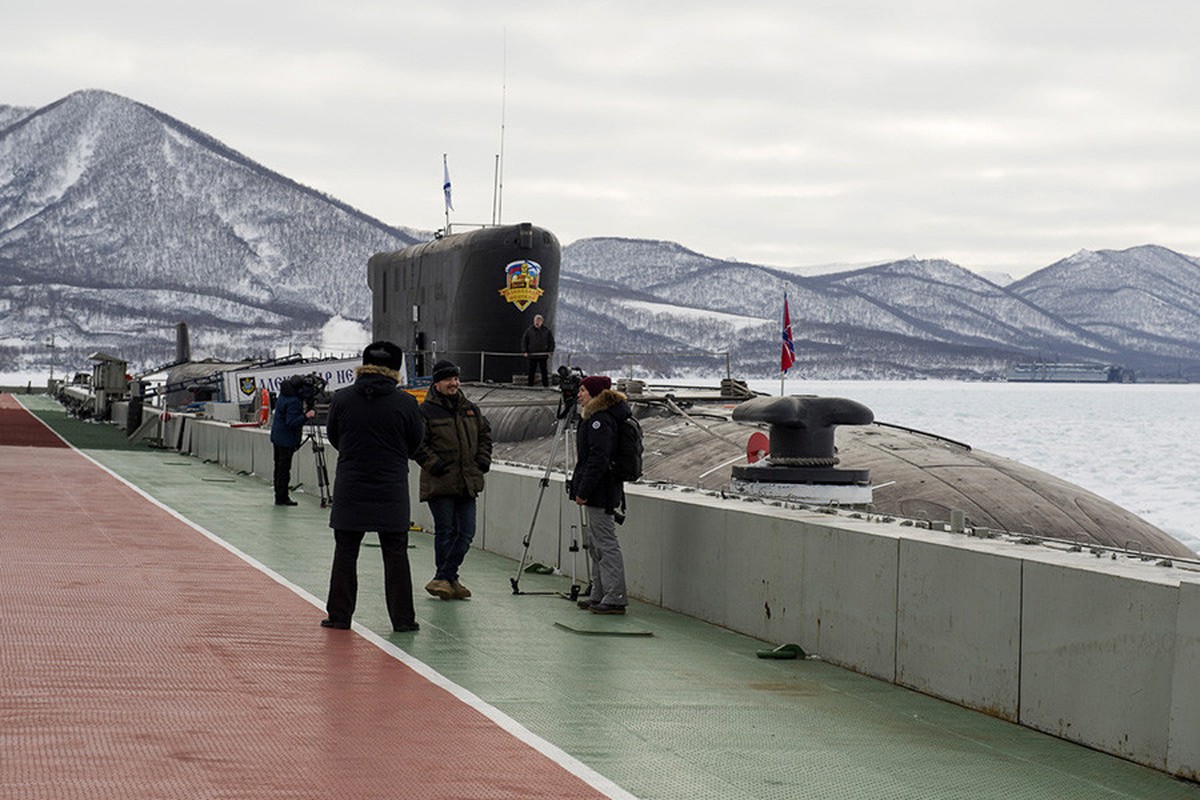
(627,459)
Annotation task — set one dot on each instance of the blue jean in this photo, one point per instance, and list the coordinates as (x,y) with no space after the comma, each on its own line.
(453,531)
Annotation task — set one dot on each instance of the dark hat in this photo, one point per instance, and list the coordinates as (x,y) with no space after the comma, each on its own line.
(384,354)
(595,384)
(445,369)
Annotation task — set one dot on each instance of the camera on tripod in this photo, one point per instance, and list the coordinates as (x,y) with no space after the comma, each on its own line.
(309,387)
(569,381)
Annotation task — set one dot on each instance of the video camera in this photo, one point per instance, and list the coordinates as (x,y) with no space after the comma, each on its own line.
(569,381)
(308,387)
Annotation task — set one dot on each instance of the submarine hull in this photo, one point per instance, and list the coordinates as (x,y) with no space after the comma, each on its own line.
(916,475)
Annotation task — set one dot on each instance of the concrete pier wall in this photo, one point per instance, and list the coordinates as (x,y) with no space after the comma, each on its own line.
(1098,650)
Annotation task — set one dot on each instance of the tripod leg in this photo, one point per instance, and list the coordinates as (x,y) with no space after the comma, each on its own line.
(318,446)
(545,481)
(574,548)
(587,561)
(587,546)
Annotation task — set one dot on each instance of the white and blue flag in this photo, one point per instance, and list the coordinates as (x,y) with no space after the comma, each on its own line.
(446,183)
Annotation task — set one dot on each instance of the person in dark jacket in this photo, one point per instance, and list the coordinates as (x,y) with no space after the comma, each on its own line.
(537,345)
(454,456)
(602,410)
(375,428)
(286,429)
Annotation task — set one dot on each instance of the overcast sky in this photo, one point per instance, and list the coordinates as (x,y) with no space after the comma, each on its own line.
(1002,136)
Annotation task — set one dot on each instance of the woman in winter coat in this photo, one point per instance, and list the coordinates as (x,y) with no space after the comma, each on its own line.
(593,485)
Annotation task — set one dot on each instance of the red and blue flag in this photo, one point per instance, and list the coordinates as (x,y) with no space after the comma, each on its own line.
(788,356)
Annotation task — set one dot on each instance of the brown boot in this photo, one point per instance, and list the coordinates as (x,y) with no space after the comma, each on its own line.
(460,592)
(440,588)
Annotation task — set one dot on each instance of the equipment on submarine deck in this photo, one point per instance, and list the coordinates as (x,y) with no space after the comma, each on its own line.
(802,453)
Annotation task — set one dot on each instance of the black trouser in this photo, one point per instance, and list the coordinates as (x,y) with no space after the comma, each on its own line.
(283,471)
(397,577)
(539,363)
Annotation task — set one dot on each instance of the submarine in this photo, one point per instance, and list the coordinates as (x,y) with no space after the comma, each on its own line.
(468,297)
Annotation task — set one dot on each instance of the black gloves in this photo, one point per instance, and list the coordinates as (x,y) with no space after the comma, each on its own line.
(483,464)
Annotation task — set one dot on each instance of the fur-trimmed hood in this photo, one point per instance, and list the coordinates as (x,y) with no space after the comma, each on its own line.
(602,402)
(376,369)
(374,380)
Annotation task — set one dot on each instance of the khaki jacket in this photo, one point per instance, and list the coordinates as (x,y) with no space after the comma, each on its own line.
(457,444)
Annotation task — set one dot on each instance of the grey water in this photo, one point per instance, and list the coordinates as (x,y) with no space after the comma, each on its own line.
(1137,445)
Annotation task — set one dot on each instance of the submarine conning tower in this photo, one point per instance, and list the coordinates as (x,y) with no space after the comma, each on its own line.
(467,297)
(802,456)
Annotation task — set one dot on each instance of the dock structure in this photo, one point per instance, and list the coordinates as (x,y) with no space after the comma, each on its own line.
(161,639)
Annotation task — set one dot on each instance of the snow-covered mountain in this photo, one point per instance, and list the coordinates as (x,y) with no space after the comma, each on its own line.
(118,221)
(908,318)
(10,114)
(1145,299)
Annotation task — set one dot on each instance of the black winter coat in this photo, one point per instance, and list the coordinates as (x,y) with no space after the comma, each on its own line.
(596,445)
(375,427)
(538,342)
(287,427)
(457,445)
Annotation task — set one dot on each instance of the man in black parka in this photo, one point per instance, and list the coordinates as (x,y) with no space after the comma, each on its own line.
(376,428)
(287,429)
(537,344)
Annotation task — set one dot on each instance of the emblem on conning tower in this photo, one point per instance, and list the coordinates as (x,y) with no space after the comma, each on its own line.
(522,279)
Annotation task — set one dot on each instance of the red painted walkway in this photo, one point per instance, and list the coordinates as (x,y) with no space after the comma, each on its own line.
(139,659)
(19,429)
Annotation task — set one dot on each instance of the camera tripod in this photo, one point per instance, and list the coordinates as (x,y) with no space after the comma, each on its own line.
(566,416)
(318,446)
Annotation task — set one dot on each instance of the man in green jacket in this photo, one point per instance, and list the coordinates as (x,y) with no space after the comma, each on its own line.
(455,454)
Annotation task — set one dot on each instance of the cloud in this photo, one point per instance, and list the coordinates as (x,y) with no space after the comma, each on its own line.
(997,135)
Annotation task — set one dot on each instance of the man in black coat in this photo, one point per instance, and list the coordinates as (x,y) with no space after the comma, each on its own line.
(537,345)
(376,428)
(287,428)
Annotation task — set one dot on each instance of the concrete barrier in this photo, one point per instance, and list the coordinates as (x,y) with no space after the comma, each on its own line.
(1098,651)
(1183,744)
(1097,656)
(959,625)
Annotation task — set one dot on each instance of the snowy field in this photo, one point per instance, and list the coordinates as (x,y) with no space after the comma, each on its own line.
(1134,444)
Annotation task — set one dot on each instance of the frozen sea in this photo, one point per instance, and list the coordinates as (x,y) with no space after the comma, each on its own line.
(1137,445)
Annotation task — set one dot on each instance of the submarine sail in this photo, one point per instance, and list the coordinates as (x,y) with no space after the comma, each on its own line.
(467,297)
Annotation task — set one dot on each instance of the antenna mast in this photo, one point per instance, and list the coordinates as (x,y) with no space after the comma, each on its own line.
(498,194)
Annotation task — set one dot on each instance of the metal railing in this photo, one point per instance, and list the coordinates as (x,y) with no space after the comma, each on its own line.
(503,366)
